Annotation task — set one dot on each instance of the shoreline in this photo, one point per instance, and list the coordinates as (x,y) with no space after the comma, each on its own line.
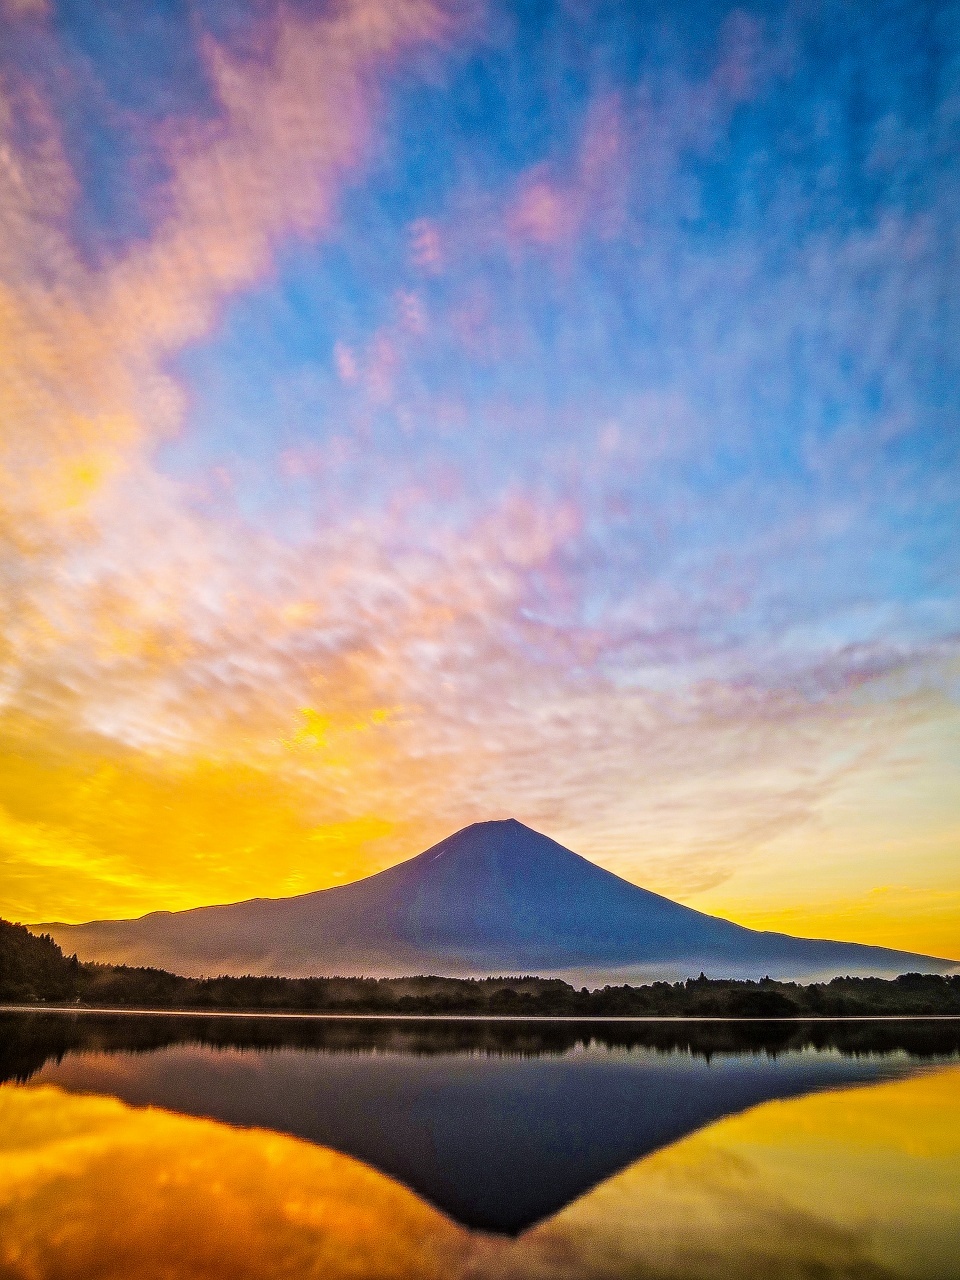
(313,1016)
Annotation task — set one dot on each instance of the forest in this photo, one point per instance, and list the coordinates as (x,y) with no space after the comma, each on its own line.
(34,970)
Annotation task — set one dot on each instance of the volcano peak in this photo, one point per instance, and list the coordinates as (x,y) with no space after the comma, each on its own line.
(494,897)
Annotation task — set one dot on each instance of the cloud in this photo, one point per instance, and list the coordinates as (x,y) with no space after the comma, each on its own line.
(632,145)
(553,210)
(25,8)
(270,167)
(85,382)
(564,498)
(120,605)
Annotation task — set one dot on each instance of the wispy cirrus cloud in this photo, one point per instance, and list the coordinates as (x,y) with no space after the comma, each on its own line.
(87,379)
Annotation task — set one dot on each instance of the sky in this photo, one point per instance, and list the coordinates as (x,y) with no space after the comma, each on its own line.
(417,412)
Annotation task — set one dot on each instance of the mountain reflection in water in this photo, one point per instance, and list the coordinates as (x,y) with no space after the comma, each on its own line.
(860,1182)
(498,1125)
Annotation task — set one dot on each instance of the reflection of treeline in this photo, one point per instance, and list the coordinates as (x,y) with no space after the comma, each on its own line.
(28,1040)
(34,969)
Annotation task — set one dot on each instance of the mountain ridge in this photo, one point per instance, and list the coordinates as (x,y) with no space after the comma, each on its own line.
(494,897)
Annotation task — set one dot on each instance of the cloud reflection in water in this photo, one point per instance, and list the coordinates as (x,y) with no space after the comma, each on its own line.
(853,1183)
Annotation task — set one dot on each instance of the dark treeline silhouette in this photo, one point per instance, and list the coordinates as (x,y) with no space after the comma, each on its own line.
(33,969)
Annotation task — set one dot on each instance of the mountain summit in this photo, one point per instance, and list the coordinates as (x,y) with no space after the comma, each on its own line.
(493,898)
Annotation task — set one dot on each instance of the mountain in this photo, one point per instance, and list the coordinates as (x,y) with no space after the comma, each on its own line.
(493,898)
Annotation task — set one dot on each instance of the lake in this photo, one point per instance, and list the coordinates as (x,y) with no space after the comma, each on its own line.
(173,1145)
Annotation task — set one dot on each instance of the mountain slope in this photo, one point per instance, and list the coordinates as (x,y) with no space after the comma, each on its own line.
(495,897)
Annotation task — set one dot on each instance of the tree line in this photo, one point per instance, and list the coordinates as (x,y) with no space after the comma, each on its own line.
(34,970)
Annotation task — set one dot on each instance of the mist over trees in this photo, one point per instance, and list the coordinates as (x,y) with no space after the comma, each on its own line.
(33,969)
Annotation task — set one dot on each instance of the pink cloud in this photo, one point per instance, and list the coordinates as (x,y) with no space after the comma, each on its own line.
(543,211)
(345,362)
(632,147)
(426,247)
(553,209)
(84,386)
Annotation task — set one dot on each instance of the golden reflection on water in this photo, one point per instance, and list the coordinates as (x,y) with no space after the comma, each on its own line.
(861,1184)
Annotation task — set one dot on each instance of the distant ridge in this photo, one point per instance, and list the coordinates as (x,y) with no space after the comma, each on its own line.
(495,897)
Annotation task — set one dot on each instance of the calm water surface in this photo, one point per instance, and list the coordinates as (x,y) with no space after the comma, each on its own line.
(170,1146)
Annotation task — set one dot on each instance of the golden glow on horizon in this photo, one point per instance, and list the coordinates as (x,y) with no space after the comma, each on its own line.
(87,832)
(83,835)
(887,916)
(862,1181)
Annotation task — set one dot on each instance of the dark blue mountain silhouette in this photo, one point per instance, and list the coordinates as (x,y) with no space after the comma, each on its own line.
(496,898)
